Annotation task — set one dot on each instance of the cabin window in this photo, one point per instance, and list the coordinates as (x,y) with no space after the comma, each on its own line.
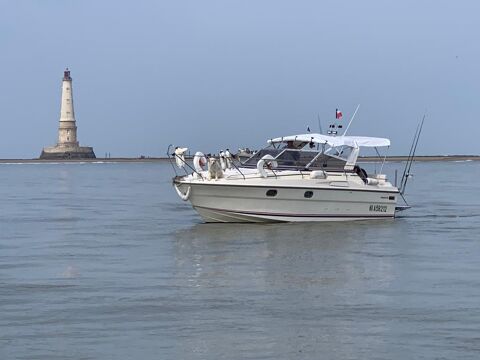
(272,192)
(391,198)
(308,194)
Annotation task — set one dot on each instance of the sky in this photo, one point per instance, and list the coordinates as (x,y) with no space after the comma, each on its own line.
(210,75)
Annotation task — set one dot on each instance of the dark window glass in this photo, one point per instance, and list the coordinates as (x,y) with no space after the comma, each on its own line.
(391,198)
(259,154)
(308,194)
(272,192)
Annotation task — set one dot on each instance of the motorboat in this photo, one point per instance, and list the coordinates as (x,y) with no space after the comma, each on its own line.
(305,177)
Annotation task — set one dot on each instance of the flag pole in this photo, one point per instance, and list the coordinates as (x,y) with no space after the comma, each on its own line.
(353,116)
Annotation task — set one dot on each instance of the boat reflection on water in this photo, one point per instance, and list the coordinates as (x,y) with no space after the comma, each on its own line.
(280,285)
(271,250)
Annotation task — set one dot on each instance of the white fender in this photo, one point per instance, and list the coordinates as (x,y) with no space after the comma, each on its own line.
(185,196)
(382,178)
(223,163)
(318,174)
(180,156)
(228,159)
(268,160)
(199,161)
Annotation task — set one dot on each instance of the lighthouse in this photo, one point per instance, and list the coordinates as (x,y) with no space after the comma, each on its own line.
(67,146)
(67,130)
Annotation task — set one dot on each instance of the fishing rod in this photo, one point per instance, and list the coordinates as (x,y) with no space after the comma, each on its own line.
(413,155)
(351,119)
(319,129)
(411,159)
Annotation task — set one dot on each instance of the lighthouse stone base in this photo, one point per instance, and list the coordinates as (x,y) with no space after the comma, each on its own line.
(67,152)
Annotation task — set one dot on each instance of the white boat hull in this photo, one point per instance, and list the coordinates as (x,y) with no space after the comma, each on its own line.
(221,202)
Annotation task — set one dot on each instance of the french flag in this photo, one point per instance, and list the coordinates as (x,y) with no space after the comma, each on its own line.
(338,114)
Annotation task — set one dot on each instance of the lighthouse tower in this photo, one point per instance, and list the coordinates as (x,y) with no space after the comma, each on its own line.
(67,131)
(67,146)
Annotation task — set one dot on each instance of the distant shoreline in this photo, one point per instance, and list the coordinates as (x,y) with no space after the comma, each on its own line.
(164,159)
(97,160)
(424,158)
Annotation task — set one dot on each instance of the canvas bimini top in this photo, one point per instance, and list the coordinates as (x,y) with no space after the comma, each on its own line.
(316,151)
(334,141)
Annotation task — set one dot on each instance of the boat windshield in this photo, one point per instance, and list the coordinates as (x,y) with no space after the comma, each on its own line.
(295,159)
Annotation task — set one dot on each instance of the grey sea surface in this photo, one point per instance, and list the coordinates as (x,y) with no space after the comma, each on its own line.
(104,261)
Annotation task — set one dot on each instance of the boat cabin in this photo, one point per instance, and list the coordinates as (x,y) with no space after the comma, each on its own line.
(315,152)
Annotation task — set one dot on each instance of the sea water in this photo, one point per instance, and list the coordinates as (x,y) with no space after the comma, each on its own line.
(104,261)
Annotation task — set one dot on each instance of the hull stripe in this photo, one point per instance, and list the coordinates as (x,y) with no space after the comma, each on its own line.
(297,215)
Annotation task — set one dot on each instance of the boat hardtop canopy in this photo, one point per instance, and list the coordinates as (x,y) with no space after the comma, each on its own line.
(334,141)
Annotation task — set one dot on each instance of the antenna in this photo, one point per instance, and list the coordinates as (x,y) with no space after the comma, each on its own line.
(319,123)
(411,157)
(353,116)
